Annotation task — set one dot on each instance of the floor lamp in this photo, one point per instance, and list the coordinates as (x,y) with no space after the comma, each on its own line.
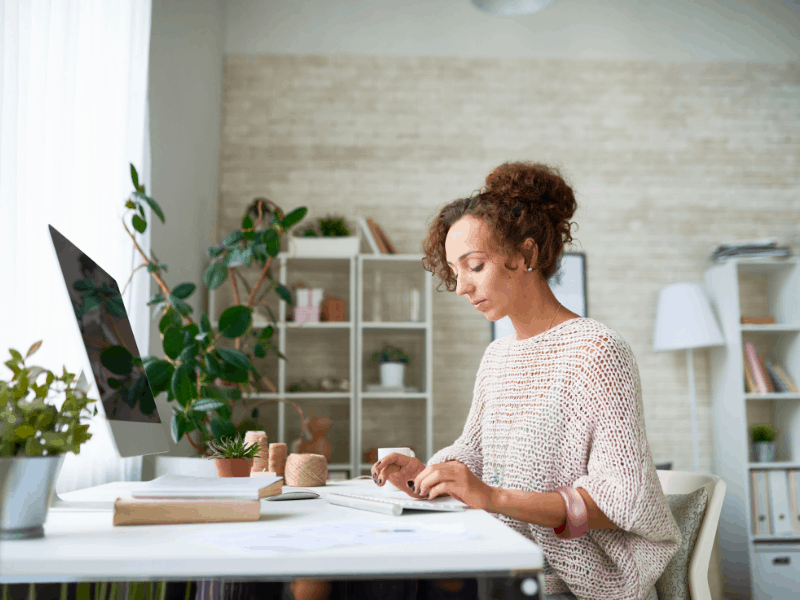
(685,321)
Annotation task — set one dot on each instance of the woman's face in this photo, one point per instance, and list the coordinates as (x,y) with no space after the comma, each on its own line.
(480,274)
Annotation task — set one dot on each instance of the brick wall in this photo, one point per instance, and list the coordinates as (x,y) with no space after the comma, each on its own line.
(667,161)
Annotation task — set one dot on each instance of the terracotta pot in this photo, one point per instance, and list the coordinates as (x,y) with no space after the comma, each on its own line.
(232,467)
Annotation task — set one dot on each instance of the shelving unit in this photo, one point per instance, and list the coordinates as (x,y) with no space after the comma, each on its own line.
(754,566)
(373,287)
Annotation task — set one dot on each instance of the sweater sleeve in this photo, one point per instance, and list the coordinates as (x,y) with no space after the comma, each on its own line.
(621,477)
(467,448)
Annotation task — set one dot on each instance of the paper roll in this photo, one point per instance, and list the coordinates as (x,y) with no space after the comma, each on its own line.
(277,458)
(261,460)
(306,470)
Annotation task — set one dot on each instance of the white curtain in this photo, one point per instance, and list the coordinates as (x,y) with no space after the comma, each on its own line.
(73,93)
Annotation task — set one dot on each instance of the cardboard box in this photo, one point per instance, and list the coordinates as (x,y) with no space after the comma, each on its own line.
(333,309)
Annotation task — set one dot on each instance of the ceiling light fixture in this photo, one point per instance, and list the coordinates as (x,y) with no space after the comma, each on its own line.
(512,7)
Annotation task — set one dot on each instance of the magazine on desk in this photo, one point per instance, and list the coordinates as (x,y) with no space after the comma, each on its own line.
(184,486)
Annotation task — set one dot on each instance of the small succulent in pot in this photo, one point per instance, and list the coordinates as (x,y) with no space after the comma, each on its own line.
(763,436)
(763,433)
(331,226)
(232,455)
(390,354)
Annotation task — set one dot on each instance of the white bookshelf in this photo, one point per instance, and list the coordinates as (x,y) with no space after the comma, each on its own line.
(363,333)
(754,566)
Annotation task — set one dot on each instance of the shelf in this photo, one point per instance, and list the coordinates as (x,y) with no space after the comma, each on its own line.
(773,465)
(339,467)
(394,325)
(773,396)
(262,324)
(765,539)
(304,395)
(771,328)
(393,395)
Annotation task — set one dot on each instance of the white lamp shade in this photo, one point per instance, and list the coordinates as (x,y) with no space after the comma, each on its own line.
(684,319)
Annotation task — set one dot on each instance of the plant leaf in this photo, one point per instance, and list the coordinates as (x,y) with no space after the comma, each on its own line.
(134,177)
(183,291)
(173,342)
(235,358)
(284,293)
(139,224)
(182,307)
(207,404)
(205,323)
(159,373)
(235,321)
(233,238)
(182,385)
(34,347)
(215,275)
(155,299)
(178,427)
(117,359)
(272,241)
(294,217)
(259,351)
(234,258)
(215,251)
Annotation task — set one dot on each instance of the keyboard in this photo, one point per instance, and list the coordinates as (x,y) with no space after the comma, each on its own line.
(393,506)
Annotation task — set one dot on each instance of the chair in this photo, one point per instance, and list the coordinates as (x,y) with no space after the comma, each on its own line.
(683,482)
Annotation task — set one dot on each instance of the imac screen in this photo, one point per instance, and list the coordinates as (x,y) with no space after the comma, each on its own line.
(103,322)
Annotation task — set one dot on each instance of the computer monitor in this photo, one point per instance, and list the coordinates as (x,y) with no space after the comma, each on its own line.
(126,398)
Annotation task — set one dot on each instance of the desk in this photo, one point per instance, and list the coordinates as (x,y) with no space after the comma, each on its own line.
(85,546)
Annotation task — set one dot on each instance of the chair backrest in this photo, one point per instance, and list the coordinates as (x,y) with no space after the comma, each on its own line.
(683,482)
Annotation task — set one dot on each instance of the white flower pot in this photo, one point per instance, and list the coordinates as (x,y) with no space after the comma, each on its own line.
(392,374)
(764,452)
(312,247)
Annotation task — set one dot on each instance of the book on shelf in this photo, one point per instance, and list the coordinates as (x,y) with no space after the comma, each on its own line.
(162,511)
(788,381)
(779,502)
(758,320)
(794,508)
(777,382)
(750,381)
(368,235)
(755,505)
(767,378)
(185,486)
(755,368)
(373,227)
(762,494)
(380,234)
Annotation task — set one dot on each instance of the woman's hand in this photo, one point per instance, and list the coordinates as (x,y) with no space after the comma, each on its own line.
(454,479)
(399,470)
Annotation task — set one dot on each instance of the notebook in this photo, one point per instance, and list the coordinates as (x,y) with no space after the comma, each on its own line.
(186,486)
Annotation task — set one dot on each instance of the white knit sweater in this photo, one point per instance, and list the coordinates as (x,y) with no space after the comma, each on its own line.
(564,408)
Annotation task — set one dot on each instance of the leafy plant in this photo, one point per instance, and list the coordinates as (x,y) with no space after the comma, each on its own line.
(232,447)
(763,433)
(329,227)
(201,372)
(29,425)
(390,354)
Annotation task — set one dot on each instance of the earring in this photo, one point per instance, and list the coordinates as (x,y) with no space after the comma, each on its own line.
(529,269)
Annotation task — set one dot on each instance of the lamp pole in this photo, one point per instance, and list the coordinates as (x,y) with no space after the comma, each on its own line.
(693,406)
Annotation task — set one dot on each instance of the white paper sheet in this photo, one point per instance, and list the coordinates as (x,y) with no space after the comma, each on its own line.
(327,535)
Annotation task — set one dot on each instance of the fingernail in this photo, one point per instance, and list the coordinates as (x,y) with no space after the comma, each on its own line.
(411,484)
(379,480)
(377,463)
(417,490)
(374,475)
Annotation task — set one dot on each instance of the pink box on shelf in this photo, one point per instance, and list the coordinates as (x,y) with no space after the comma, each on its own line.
(306,314)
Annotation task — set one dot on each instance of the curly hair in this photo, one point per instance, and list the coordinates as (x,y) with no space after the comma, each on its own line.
(520,200)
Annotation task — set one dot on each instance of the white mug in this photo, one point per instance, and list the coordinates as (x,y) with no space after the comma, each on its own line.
(384,452)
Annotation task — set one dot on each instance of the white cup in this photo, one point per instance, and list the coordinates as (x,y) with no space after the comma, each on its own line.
(383,453)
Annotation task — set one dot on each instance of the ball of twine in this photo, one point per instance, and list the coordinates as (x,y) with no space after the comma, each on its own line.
(277,458)
(260,460)
(306,470)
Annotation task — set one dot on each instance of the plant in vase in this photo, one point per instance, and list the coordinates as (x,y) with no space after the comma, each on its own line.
(207,368)
(393,361)
(34,439)
(763,437)
(330,237)
(232,456)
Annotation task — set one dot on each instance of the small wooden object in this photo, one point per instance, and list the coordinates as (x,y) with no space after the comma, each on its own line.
(306,470)
(260,460)
(277,458)
(332,309)
(758,320)
(152,511)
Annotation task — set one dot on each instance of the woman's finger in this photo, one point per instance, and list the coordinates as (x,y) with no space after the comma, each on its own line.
(440,489)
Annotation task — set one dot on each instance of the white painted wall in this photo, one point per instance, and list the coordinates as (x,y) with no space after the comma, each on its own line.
(186,53)
(660,30)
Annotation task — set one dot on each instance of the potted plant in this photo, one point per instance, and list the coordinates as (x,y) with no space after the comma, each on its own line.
(763,437)
(34,438)
(393,363)
(232,456)
(330,238)
(207,367)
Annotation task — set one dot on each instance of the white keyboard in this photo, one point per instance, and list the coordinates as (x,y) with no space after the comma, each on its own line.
(393,506)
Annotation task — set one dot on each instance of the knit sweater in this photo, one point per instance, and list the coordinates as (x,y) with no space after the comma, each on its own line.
(564,408)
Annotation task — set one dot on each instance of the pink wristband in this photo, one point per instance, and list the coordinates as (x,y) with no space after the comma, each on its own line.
(577,518)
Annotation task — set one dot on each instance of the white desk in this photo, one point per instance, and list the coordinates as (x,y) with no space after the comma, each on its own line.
(85,546)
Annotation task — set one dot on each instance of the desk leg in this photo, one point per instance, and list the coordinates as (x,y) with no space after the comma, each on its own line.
(512,588)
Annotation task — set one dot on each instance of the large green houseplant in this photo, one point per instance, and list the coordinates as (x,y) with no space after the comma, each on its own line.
(207,368)
(35,436)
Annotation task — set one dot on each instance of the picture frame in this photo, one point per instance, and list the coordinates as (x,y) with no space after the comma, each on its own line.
(569,286)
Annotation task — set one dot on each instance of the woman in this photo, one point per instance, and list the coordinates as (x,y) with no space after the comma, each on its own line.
(554,444)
